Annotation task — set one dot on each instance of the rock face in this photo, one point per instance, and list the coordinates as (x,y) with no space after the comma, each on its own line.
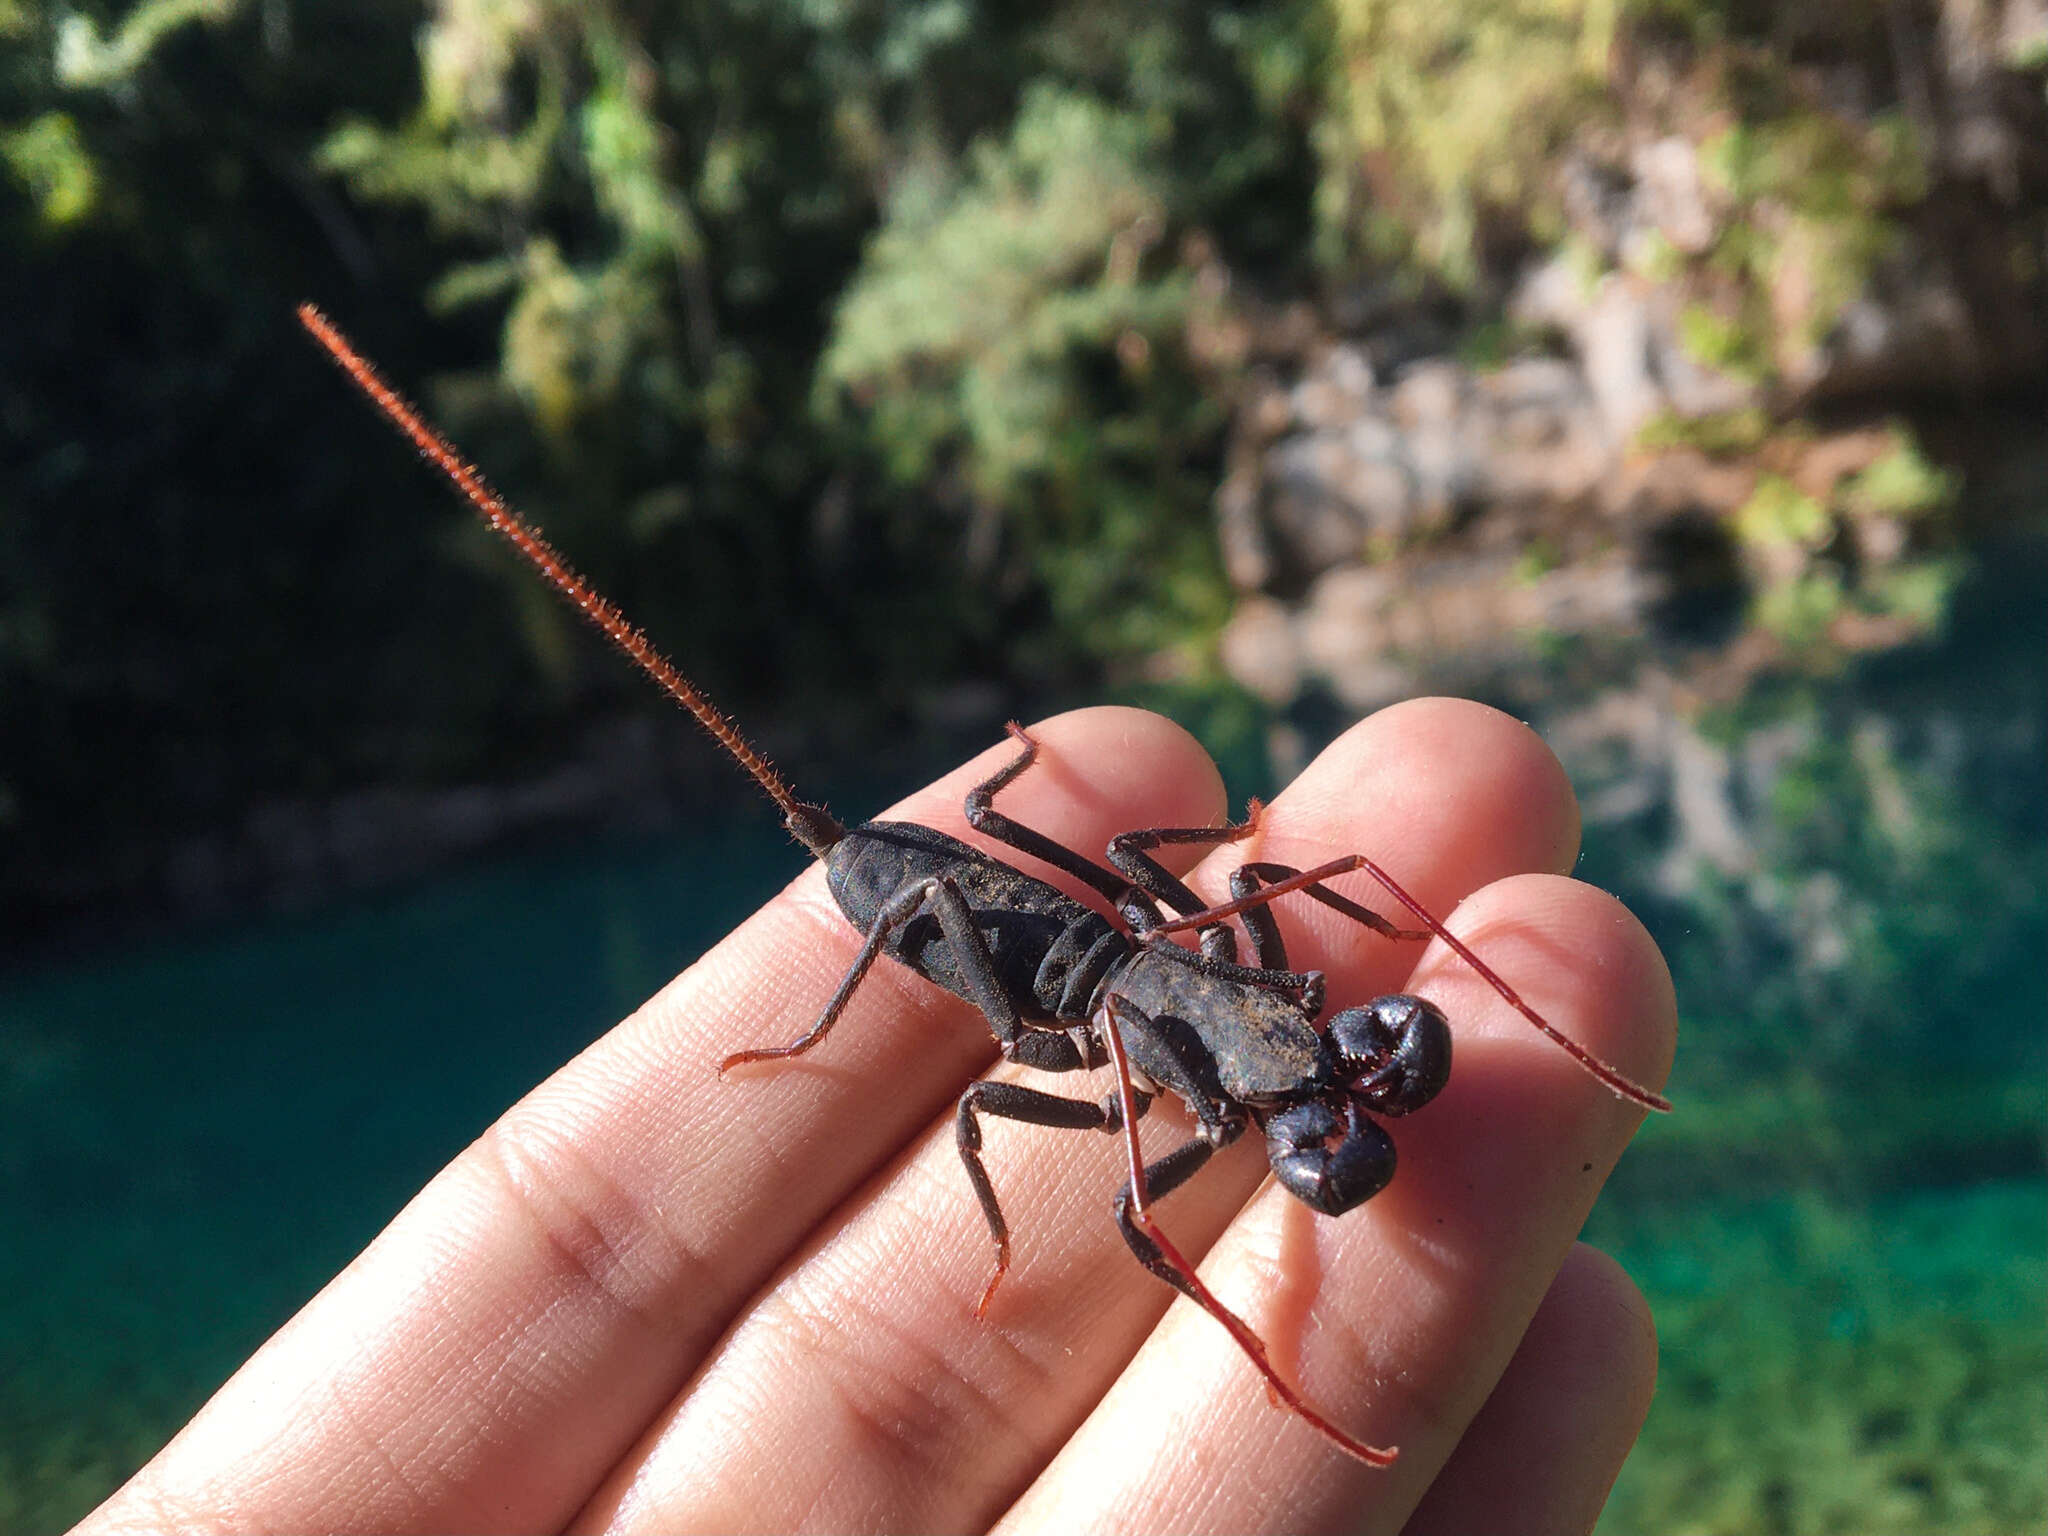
(1647,464)
(1353,471)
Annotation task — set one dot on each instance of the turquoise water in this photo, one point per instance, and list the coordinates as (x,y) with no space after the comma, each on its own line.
(195,1137)
(1843,1231)
(1832,1364)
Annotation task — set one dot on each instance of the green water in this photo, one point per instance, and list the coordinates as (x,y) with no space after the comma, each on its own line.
(1843,1231)
(1842,1365)
(194,1138)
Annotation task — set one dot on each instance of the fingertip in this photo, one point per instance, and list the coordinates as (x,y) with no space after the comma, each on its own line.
(1462,743)
(1450,781)
(1597,1303)
(1545,1448)
(1580,958)
(1445,795)
(1154,756)
(1107,766)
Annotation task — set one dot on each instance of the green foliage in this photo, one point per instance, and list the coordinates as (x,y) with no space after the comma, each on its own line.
(86,61)
(47,156)
(1722,434)
(1020,330)
(1812,198)
(1821,165)
(1442,128)
(973,303)
(1807,565)
(1539,559)
(864,342)
(1902,482)
(1918,591)
(1800,611)
(1735,345)
(1778,513)
(1442,116)
(634,230)
(1830,1364)
(687,203)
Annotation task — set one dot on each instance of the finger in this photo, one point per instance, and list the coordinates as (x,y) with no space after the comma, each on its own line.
(1396,1319)
(1543,1452)
(493,1353)
(862,1391)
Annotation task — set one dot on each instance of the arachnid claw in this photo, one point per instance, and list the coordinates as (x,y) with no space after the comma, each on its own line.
(988,1292)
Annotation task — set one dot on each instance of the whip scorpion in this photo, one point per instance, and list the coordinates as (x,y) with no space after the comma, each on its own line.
(1066,988)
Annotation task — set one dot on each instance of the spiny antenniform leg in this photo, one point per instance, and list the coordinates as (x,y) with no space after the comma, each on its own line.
(1308,878)
(1256,876)
(1251,878)
(1013,1101)
(956,921)
(1143,1233)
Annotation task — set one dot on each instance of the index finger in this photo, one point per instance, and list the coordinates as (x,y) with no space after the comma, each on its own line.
(491,1355)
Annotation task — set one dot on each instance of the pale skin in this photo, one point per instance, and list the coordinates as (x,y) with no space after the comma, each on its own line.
(649,1299)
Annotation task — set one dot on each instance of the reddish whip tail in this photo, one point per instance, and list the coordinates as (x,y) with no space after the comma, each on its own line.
(809,823)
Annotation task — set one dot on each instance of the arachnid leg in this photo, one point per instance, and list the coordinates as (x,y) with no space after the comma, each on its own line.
(1135,874)
(1258,920)
(984,818)
(1219,946)
(956,921)
(1311,879)
(1162,1177)
(1145,1237)
(1128,851)
(1265,933)
(1012,1101)
(1256,876)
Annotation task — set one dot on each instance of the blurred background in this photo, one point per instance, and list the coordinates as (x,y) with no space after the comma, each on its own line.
(1668,372)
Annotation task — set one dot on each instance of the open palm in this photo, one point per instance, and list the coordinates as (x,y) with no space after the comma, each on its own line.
(650,1299)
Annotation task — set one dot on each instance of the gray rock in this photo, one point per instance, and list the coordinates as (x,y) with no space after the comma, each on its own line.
(1534,434)
(1335,390)
(1669,196)
(1259,649)
(1614,343)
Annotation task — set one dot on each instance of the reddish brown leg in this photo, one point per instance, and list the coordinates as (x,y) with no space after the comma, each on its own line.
(899,909)
(941,895)
(1181,1275)
(1247,879)
(1129,852)
(1013,1101)
(1621,1085)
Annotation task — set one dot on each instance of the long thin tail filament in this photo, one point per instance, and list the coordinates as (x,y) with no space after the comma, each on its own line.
(600,610)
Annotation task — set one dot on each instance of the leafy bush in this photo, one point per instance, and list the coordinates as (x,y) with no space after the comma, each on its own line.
(1019,332)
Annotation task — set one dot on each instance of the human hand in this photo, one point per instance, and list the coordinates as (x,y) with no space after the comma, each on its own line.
(651,1299)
